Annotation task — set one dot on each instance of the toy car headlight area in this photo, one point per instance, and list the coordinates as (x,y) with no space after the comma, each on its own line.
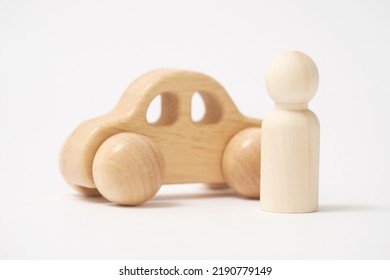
(123,157)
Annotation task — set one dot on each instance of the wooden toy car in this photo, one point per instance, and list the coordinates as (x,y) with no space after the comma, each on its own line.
(123,157)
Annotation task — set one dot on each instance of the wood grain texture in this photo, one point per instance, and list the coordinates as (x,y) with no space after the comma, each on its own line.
(241,162)
(192,151)
(290,137)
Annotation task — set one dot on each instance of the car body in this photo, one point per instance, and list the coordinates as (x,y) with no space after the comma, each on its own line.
(192,150)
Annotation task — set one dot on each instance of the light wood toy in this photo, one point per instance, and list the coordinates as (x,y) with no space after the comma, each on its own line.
(125,158)
(290,137)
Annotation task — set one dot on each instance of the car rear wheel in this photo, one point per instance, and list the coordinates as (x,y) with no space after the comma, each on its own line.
(128,169)
(241,162)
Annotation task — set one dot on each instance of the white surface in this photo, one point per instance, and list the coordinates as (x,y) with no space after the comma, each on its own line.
(64,62)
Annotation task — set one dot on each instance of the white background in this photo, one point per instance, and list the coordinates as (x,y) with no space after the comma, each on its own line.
(62,62)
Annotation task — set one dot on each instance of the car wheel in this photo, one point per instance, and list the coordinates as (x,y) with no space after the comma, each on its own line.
(128,169)
(241,162)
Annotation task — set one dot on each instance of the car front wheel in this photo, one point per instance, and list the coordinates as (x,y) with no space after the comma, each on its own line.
(128,169)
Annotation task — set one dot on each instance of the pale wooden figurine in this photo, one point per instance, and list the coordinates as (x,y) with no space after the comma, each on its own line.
(290,137)
(123,157)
